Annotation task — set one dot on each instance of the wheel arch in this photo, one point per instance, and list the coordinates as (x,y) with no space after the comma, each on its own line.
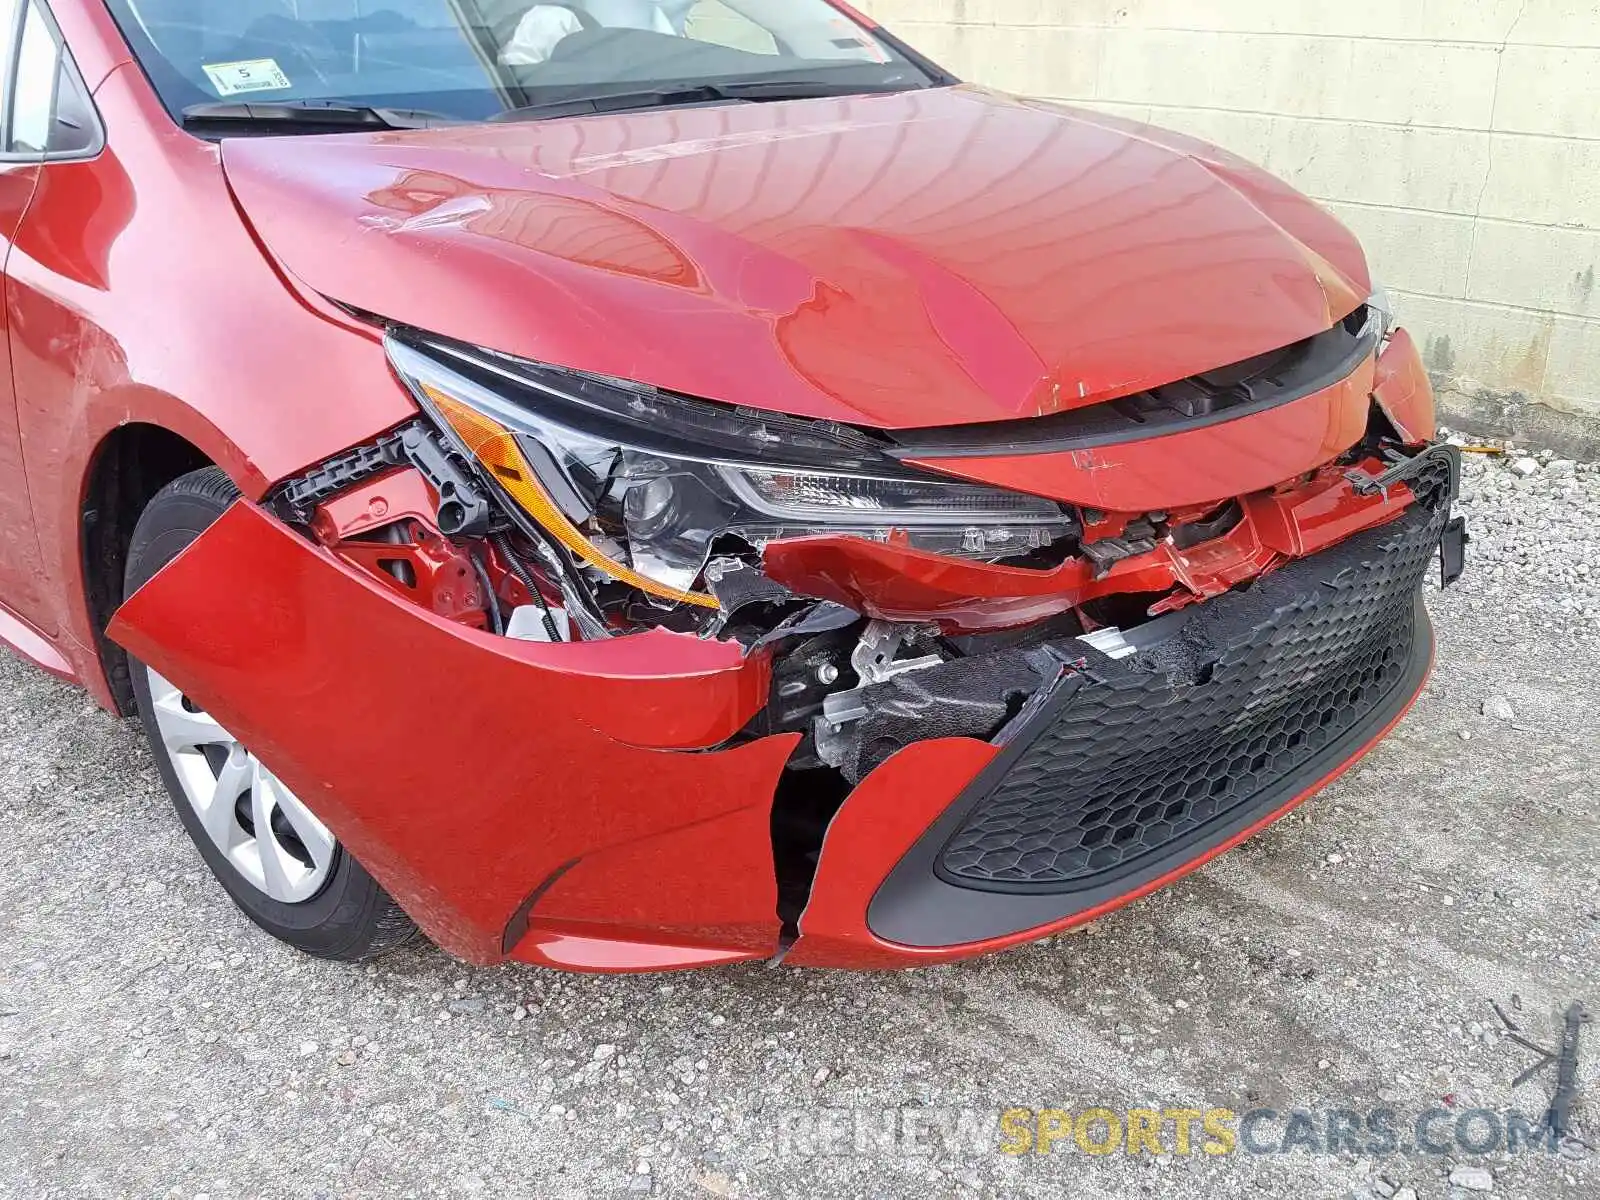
(130,465)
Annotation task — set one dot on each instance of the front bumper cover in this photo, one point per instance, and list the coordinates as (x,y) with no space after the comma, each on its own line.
(469,773)
(1128,775)
(1128,770)
(569,805)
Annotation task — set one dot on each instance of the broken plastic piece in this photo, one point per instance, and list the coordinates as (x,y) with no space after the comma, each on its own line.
(1407,469)
(1111,643)
(1109,552)
(901,584)
(299,498)
(1403,391)
(1453,551)
(463,508)
(966,697)
(738,585)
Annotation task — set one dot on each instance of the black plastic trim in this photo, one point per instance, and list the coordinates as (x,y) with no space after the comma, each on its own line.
(1326,360)
(66,64)
(525,396)
(915,907)
(1453,552)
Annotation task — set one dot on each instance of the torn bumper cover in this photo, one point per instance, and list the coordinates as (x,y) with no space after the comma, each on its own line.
(1130,768)
(578,805)
(488,784)
(1127,774)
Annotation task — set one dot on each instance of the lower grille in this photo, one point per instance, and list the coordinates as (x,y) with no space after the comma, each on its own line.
(1150,752)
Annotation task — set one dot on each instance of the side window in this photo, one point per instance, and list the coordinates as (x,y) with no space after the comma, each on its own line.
(50,113)
(712,21)
(10,22)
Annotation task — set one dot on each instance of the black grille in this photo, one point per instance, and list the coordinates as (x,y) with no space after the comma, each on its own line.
(1149,751)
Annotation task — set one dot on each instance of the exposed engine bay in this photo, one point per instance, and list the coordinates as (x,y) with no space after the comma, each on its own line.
(889,605)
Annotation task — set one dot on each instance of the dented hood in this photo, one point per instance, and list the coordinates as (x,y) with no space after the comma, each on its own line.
(934,257)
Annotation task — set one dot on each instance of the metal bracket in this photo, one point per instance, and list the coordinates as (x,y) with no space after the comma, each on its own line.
(874,658)
(874,661)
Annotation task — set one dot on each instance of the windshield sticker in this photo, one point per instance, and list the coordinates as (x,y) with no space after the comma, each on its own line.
(253,75)
(851,38)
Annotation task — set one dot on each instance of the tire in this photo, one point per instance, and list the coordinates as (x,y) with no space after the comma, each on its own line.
(300,884)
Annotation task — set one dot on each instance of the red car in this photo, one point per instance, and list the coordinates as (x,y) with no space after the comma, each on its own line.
(640,484)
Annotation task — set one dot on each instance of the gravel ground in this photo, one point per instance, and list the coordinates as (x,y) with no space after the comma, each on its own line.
(153,1044)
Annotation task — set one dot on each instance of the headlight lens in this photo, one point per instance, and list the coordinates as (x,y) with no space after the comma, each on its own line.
(1381,304)
(642,484)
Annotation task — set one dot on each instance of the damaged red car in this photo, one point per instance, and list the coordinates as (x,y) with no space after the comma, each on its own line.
(642,484)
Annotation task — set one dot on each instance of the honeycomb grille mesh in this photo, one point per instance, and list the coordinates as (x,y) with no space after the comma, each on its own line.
(1142,759)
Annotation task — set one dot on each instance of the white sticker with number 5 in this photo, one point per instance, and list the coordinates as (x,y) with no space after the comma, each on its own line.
(254,75)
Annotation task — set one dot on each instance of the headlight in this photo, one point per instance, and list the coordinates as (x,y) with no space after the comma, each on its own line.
(642,484)
(1381,306)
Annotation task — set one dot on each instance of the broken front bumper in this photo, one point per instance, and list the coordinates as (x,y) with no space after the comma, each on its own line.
(1130,771)
(569,805)
(516,798)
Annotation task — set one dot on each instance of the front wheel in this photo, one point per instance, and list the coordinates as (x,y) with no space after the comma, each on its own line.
(274,856)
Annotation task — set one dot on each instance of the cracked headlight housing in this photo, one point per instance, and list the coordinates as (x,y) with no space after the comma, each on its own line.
(1381,306)
(642,484)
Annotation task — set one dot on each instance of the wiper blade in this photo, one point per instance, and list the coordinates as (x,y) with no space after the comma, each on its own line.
(752,90)
(313,112)
(814,89)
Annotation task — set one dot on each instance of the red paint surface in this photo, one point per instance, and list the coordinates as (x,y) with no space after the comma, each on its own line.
(24,586)
(849,10)
(34,646)
(893,808)
(612,957)
(111,326)
(1404,391)
(724,897)
(933,257)
(465,825)
(463,769)
(1201,466)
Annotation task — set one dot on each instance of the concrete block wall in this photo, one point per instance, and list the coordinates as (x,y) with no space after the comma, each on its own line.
(1459,138)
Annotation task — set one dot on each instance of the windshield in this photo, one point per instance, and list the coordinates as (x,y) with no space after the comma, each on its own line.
(475,59)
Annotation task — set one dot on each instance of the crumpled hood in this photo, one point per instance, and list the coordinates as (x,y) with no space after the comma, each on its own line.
(927,258)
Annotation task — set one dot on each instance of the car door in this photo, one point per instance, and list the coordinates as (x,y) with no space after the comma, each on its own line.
(22,588)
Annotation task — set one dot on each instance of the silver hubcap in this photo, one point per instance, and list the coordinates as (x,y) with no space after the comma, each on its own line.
(257,823)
